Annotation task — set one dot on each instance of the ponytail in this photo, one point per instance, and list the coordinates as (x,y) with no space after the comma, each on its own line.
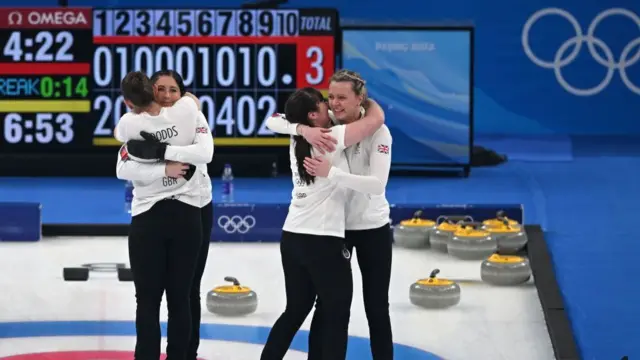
(302,150)
(297,109)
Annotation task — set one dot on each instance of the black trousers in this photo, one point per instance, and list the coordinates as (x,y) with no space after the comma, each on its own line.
(164,243)
(373,248)
(206,214)
(313,266)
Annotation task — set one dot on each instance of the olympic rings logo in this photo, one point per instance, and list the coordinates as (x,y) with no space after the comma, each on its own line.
(561,60)
(236,223)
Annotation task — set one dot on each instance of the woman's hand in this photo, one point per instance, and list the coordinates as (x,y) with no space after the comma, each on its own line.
(319,138)
(318,166)
(175,170)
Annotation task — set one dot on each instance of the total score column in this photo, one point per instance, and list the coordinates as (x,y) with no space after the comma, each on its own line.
(316,49)
(44,86)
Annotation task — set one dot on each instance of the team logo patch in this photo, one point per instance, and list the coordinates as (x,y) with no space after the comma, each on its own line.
(383,149)
(124,154)
(201,130)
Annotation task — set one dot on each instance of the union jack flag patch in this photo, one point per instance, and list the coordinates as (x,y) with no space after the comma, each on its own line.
(383,149)
(201,130)
(124,154)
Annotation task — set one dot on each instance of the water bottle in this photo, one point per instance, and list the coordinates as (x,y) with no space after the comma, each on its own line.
(128,196)
(227,183)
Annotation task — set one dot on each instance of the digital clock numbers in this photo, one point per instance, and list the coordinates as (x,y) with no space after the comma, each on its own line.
(41,128)
(49,46)
(43,46)
(66,87)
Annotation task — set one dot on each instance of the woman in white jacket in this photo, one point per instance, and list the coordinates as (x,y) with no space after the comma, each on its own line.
(367,210)
(183,173)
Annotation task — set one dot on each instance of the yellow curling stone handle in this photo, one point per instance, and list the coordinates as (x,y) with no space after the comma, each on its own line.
(504,229)
(445,226)
(470,230)
(500,221)
(236,288)
(433,281)
(505,259)
(232,289)
(417,222)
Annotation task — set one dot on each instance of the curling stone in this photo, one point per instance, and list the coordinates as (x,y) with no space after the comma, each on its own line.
(509,234)
(511,238)
(434,293)
(232,300)
(469,242)
(413,233)
(445,227)
(498,221)
(505,270)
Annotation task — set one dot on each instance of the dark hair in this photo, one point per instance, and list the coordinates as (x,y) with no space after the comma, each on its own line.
(296,110)
(177,77)
(137,88)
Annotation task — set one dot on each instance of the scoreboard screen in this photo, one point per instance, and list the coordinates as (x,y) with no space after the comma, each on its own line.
(60,69)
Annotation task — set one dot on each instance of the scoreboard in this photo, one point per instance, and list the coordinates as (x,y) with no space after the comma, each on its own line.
(60,69)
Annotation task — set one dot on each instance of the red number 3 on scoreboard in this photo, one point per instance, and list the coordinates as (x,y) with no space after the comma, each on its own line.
(315,61)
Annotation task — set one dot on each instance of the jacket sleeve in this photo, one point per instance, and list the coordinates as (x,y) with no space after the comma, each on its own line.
(379,163)
(198,153)
(127,169)
(280,125)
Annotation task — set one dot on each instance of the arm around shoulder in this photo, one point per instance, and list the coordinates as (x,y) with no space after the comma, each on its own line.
(187,106)
(198,153)
(365,127)
(194,99)
(374,110)
(280,125)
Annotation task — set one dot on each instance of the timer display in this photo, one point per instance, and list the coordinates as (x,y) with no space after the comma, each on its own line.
(39,128)
(65,87)
(44,46)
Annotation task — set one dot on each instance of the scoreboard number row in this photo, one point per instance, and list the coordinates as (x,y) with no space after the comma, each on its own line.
(227,63)
(195,23)
(183,61)
(239,114)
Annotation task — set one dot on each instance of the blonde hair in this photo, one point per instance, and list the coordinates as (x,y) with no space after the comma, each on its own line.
(357,83)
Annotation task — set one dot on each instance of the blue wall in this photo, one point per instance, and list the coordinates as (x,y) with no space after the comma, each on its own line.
(513,95)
